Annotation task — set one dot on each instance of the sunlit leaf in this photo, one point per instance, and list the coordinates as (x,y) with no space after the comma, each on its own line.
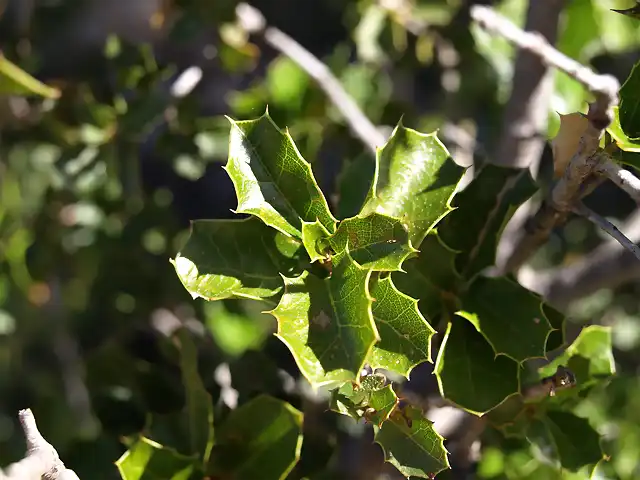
(617,134)
(148,460)
(15,81)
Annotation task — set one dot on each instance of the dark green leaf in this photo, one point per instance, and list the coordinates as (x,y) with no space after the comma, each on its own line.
(272,180)
(556,319)
(578,443)
(327,323)
(373,399)
(261,439)
(430,277)
(509,316)
(405,336)
(629,111)
(412,445)
(314,238)
(15,81)
(376,242)
(589,357)
(415,180)
(354,183)
(235,258)
(623,142)
(468,371)
(199,406)
(148,460)
(482,211)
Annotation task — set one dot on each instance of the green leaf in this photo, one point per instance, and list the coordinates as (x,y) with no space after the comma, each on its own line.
(411,444)
(629,110)
(373,399)
(405,336)
(469,373)
(315,240)
(578,443)
(430,277)
(633,12)
(272,180)
(509,316)
(589,357)
(354,183)
(327,323)
(199,406)
(556,338)
(415,180)
(148,460)
(482,211)
(376,242)
(235,258)
(260,439)
(15,81)
(623,142)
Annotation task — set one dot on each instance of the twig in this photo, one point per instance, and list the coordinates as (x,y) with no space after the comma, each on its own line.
(624,179)
(608,227)
(254,22)
(41,461)
(576,181)
(525,119)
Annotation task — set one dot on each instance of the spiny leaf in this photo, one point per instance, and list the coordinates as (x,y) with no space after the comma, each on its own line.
(235,258)
(354,183)
(508,316)
(405,336)
(373,399)
(15,81)
(483,209)
(578,443)
(199,408)
(272,180)
(590,357)
(629,110)
(469,374)
(260,439)
(430,277)
(327,323)
(411,444)
(313,236)
(148,460)
(376,242)
(556,338)
(414,181)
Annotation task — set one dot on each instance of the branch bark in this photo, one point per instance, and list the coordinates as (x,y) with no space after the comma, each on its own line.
(41,460)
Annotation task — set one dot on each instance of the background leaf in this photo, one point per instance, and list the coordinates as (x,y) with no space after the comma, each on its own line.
(272,180)
(376,242)
(415,180)
(412,445)
(260,439)
(469,374)
(482,211)
(577,441)
(405,336)
(508,316)
(15,81)
(622,140)
(629,110)
(235,258)
(148,460)
(327,323)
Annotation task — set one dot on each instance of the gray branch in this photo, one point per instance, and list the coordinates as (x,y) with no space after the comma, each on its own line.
(41,460)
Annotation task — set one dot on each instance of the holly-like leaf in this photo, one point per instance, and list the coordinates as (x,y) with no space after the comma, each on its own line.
(430,277)
(148,460)
(411,444)
(468,371)
(235,258)
(556,338)
(415,180)
(376,242)
(315,240)
(15,81)
(327,323)
(272,180)
(483,209)
(383,402)
(508,316)
(199,406)
(354,183)
(629,110)
(577,442)
(623,142)
(373,399)
(405,336)
(260,439)
(589,357)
